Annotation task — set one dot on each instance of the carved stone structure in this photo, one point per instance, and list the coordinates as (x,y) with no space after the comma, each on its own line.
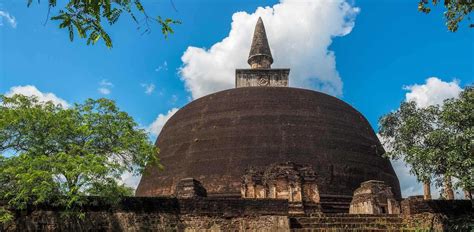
(374,197)
(295,183)
(261,77)
(217,137)
(260,61)
(190,188)
(290,181)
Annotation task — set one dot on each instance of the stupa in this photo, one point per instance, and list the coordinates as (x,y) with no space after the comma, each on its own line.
(220,138)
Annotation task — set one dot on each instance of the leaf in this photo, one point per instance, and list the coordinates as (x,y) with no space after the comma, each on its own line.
(87,15)
(71,32)
(79,28)
(139,6)
(107,40)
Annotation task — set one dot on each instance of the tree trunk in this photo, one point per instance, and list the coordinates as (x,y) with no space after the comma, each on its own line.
(467,194)
(426,190)
(448,188)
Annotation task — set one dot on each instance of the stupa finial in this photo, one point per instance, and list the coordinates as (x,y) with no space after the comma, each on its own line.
(260,56)
(260,59)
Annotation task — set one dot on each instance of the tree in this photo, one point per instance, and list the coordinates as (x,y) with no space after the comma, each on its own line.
(436,141)
(59,155)
(89,17)
(458,117)
(404,132)
(456,11)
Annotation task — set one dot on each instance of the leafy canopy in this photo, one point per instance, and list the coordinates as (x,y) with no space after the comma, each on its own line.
(88,17)
(456,11)
(435,141)
(58,155)
(458,117)
(405,135)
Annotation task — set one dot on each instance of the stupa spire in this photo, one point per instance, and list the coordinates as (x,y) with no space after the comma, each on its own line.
(260,56)
(260,59)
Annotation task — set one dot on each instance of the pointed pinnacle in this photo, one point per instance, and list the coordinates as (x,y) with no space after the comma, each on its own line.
(260,50)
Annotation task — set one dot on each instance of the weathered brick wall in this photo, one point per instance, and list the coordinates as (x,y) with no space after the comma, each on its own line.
(264,223)
(214,214)
(140,221)
(438,215)
(439,222)
(40,220)
(417,205)
(160,214)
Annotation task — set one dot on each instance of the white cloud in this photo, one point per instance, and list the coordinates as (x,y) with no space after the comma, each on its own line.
(105,87)
(30,90)
(149,88)
(130,180)
(104,91)
(433,92)
(299,33)
(157,125)
(163,67)
(9,18)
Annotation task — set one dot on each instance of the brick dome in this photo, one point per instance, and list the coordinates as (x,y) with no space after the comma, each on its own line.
(214,139)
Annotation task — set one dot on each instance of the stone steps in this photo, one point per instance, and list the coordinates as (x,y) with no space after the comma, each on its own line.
(362,215)
(352,225)
(350,220)
(353,230)
(335,198)
(347,222)
(335,207)
(335,203)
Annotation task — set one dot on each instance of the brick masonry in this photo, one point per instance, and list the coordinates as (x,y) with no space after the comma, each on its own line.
(160,214)
(220,214)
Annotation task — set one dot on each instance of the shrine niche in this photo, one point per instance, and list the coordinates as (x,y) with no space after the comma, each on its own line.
(296,183)
(190,188)
(374,197)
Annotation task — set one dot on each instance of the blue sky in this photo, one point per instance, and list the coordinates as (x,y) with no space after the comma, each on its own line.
(382,47)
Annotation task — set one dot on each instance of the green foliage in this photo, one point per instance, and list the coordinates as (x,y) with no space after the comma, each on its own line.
(456,11)
(61,155)
(458,118)
(5,216)
(460,223)
(405,133)
(436,141)
(87,17)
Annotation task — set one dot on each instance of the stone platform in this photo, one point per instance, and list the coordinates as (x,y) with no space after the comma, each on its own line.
(347,222)
(223,214)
